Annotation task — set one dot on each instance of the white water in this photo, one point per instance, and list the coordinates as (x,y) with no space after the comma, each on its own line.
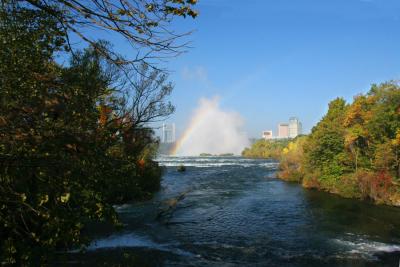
(362,246)
(205,162)
(132,240)
(214,131)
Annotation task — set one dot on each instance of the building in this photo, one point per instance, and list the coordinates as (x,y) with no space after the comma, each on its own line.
(267,135)
(283,130)
(295,127)
(168,133)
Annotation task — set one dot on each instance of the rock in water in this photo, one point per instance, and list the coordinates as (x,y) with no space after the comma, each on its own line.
(181,168)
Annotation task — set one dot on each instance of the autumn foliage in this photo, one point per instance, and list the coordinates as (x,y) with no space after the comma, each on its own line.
(354,150)
(72,144)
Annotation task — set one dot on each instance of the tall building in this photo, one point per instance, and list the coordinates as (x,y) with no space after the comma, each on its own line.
(168,133)
(283,130)
(267,135)
(295,127)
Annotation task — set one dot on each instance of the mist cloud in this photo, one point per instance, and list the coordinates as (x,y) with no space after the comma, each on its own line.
(213,130)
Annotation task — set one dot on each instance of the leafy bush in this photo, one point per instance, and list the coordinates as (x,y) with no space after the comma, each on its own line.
(291,167)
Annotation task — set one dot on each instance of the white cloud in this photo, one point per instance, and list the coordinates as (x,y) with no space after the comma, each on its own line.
(196,73)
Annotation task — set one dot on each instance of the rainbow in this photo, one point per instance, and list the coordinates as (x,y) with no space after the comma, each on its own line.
(194,123)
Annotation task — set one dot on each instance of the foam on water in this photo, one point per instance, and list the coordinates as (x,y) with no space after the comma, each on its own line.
(205,162)
(361,246)
(132,240)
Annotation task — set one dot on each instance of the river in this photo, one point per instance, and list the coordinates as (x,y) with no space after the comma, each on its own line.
(235,212)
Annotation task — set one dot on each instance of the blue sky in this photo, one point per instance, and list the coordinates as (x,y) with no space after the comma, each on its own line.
(272,59)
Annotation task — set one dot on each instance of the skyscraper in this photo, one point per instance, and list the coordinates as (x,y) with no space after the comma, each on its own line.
(168,133)
(283,130)
(295,127)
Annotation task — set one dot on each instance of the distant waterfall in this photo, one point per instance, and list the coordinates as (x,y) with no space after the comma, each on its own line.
(212,131)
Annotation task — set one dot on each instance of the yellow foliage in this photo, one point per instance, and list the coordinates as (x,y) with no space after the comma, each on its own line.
(99,210)
(65,198)
(43,200)
(292,146)
(396,141)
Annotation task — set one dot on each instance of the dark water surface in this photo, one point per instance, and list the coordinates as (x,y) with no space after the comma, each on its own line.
(234,212)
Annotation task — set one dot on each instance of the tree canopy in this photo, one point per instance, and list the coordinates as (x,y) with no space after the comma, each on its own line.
(144,25)
(354,150)
(74,138)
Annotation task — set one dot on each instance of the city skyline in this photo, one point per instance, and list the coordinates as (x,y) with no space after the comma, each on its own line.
(292,129)
(168,134)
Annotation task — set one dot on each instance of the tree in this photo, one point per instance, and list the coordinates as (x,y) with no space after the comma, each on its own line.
(265,149)
(70,144)
(291,163)
(326,141)
(146,96)
(357,139)
(39,188)
(143,24)
(384,126)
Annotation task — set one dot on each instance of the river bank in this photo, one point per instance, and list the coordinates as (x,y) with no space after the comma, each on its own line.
(353,151)
(375,186)
(391,200)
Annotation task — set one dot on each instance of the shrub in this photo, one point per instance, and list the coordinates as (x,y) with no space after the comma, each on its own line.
(311,181)
(375,186)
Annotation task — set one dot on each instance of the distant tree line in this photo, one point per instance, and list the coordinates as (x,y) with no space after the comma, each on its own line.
(265,149)
(75,137)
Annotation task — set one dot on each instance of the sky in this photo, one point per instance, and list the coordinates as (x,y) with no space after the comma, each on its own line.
(269,60)
(272,59)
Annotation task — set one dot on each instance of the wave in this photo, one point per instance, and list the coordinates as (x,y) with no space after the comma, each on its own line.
(365,248)
(132,240)
(208,165)
(207,162)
